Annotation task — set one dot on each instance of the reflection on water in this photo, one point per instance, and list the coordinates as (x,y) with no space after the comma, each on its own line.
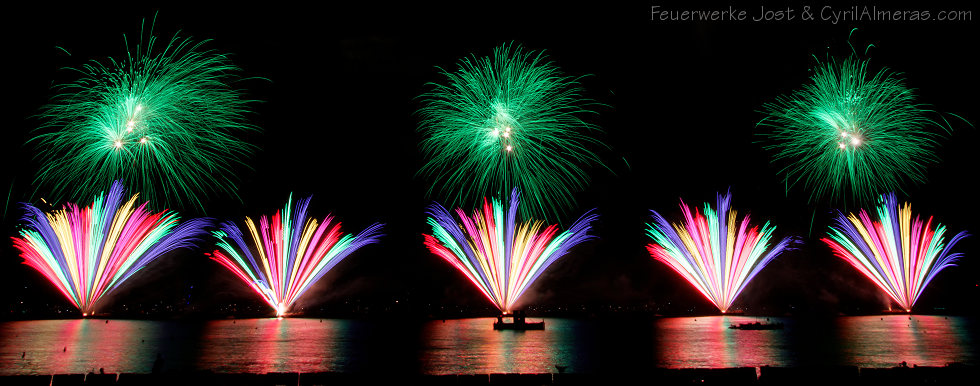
(272,345)
(867,341)
(467,346)
(708,342)
(472,346)
(87,345)
(306,345)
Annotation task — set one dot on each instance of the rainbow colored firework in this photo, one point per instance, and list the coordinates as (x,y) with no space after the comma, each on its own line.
(293,252)
(718,267)
(898,253)
(501,257)
(88,252)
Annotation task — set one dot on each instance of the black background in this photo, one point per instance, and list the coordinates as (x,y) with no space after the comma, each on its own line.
(339,87)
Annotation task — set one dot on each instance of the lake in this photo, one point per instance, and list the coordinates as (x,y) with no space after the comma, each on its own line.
(465,346)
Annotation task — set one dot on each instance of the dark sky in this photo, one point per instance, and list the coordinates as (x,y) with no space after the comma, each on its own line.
(682,100)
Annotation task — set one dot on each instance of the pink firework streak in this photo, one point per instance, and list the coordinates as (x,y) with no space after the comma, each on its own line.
(88,252)
(288,253)
(712,252)
(500,256)
(901,255)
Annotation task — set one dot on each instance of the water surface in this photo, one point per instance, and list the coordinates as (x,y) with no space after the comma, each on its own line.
(470,346)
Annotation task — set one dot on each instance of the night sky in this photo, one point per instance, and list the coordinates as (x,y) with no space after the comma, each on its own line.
(339,88)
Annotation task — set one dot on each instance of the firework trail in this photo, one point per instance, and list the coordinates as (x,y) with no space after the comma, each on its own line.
(165,119)
(511,121)
(851,131)
(287,253)
(713,252)
(898,253)
(88,252)
(499,255)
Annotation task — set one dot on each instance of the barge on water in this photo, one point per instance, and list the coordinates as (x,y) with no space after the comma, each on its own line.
(757,326)
(518,322)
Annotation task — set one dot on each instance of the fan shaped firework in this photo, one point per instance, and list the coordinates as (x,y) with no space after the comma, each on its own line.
(511,121)
(851,131)
(711,251)
(499,255)
(901,255)
(167,121)
(287,253)
(88,252)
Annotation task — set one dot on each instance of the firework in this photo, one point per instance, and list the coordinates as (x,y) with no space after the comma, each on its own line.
(501,257)
(167,120)
(287,253)
(851,131)
(88,252)
(717,255)
(898,253)
(511,121)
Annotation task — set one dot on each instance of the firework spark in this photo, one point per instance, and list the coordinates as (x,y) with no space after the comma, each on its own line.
(898,253)
(88,252)
(511,121)
(167,121)
(287,253)
(500,256)
(851,131)
(711,251)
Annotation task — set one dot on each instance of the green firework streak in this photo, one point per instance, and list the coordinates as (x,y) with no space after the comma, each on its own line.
(513,120)
(850,135)
(165,119)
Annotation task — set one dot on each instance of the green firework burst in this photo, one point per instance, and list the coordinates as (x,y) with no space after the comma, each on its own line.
(851,133)
(165,119)
(506,121)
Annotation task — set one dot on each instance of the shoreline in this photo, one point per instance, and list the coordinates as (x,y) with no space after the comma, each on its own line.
(730,376)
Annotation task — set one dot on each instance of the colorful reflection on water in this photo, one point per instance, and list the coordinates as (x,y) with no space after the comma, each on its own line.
(708,342)
(306,345)
(272,345)
(88,345)
(867,341)
(470,346)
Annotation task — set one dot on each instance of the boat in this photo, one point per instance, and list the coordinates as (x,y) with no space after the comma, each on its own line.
(757,326)
(518,322)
